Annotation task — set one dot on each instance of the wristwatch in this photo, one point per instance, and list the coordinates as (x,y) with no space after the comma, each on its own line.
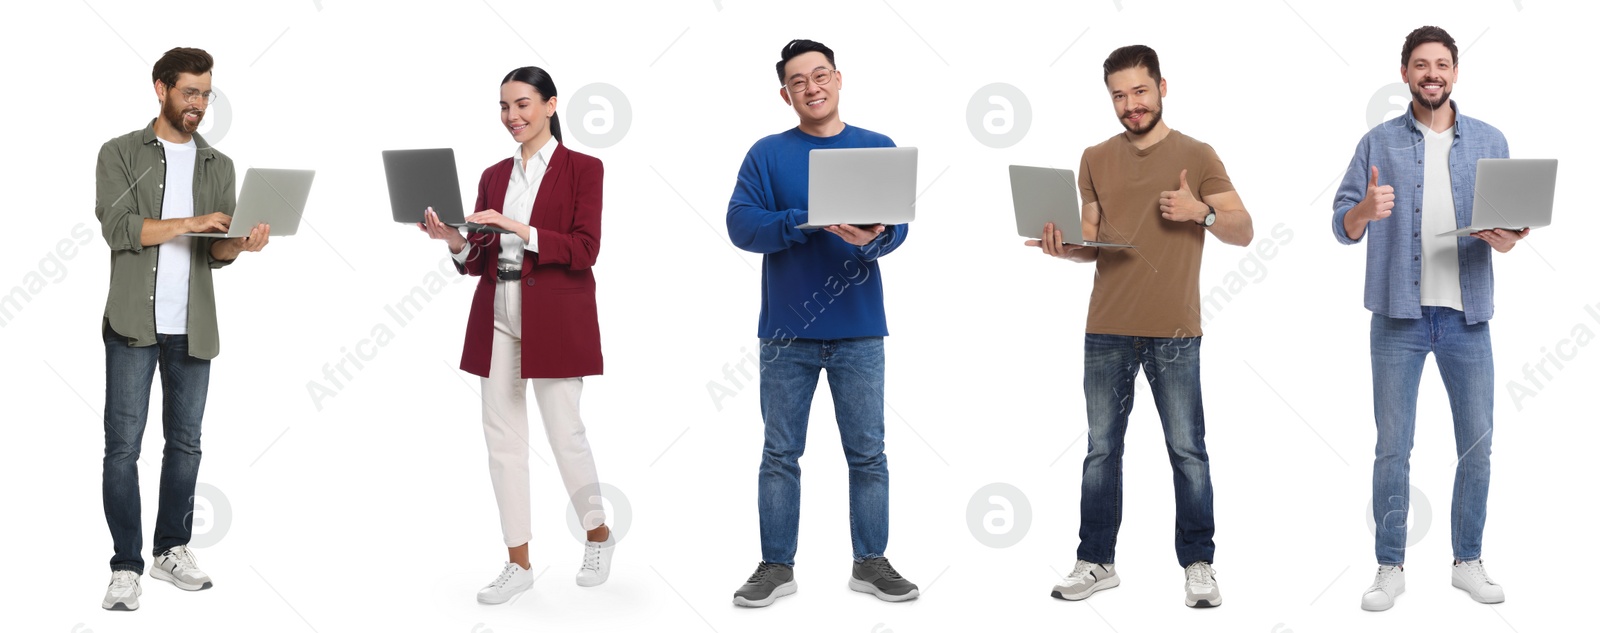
(1211,217)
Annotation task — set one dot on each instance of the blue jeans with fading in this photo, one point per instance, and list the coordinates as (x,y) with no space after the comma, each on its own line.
(789,373)
(1111,363)
(1466,363)
(184,381)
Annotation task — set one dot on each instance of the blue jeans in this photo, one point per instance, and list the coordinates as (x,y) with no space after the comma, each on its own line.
(129,371)
(1466,364)
(1172,365)
(788,382)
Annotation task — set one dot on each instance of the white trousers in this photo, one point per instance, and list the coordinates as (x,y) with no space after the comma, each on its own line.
(505,427)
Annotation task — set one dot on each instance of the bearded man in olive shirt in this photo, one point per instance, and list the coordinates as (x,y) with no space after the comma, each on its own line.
(152,186)
(1160,191)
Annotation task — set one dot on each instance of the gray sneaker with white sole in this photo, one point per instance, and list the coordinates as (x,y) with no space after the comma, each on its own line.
(877,577)
(770,582)
(1200,586)
(1085,579)
(178,566)
(122,593)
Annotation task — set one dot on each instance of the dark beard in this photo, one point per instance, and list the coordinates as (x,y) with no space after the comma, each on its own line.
(174,116)
(1416,96)
(1153,116)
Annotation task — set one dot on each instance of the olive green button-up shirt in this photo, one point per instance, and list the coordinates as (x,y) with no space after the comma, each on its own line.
(130,181)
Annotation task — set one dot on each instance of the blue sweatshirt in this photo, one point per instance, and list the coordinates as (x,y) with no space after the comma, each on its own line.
(814,285)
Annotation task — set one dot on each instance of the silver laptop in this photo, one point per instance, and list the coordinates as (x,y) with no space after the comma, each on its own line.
(862,186)
(423,178)
(1042,194)
(269,196)
(1511,194)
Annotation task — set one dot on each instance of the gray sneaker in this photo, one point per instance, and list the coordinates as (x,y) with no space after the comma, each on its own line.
(178,567)
(1085,579)
(877,577)
(1200,586)
(122,594)
(770,582)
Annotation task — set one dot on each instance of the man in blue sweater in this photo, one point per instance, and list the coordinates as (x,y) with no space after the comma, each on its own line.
(821,308)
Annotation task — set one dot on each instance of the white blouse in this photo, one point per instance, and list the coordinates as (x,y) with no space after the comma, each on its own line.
(521,190)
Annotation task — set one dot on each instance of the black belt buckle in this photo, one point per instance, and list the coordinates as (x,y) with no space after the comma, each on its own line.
(508,275)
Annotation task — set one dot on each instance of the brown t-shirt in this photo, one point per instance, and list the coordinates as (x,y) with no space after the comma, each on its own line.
(1152,290)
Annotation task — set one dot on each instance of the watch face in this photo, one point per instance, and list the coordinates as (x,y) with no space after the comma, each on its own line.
(1211,218)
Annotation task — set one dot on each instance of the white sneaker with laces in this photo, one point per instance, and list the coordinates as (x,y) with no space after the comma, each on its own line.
(1471,577)
(178,567)
(596,561)
(1085,579)
(1200,587)
(513,580)
(123,592)
(1388,585)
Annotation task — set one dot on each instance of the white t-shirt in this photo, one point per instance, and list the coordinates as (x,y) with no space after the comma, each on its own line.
(1441,263)
(172,263)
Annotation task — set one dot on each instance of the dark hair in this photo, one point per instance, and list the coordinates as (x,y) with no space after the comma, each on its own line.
(796,48)
(1423,35)
(1131,57)
(544,85)
(180,60)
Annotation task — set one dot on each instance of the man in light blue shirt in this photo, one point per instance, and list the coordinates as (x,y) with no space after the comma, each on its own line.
(1412,178)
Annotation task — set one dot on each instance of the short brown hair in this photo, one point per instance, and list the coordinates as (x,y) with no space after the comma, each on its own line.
(1132,56)
(1423,35)
(180,60)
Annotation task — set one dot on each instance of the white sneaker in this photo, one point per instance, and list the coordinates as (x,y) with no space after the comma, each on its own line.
(123,592)
(1388,585)
(1200,588)
(512,581)
(596,561)
(1471,577)
(1085,579)
(178,567)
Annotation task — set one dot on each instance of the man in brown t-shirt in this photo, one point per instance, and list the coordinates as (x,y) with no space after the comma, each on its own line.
(1160,191)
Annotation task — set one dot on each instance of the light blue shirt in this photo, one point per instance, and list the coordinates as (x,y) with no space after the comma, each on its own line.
(1394,244)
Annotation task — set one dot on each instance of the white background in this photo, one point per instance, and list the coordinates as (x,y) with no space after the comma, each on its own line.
(374,511)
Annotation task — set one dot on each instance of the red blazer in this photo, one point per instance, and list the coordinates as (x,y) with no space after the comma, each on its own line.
(560,327)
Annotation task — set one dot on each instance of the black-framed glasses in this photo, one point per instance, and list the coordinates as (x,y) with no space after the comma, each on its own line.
(820,77)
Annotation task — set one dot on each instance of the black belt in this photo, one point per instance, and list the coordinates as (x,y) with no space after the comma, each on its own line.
(508,275)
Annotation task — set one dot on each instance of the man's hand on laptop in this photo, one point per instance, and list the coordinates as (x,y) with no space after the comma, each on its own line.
(229,249)
(256,240)
(1050,242)
(1502,239)
(853,235)
(210,223)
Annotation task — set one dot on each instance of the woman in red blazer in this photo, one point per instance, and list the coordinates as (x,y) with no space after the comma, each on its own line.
(533,318)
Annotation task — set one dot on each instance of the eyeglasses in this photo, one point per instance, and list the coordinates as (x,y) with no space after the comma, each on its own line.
(820,77)
(190,95)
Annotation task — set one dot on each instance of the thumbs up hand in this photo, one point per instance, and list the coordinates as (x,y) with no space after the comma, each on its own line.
(1379,203)
(1181,205)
